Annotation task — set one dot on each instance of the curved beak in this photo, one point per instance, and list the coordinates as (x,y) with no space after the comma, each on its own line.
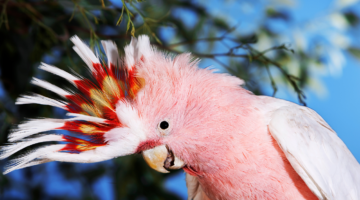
(162,159)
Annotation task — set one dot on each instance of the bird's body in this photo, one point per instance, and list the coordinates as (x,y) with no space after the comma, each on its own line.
(232,144)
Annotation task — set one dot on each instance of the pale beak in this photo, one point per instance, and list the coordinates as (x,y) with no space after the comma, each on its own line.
(162,159)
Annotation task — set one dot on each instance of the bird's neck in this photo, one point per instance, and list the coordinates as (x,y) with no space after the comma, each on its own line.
(256,168)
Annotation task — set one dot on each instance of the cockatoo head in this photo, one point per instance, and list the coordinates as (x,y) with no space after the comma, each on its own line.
(161,106)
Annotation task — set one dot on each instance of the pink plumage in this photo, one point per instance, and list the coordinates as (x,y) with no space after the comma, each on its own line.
(232,144)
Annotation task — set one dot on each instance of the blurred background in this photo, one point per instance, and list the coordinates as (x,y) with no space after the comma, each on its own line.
(304,51)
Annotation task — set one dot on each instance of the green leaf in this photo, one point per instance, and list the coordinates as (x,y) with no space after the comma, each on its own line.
(133,30)
(351,18)
(121,17)
(355,52)
(275,14)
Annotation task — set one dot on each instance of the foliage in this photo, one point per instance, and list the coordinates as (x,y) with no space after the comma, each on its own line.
(36,30)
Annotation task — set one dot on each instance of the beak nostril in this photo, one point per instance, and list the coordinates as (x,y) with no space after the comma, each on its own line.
(170,159)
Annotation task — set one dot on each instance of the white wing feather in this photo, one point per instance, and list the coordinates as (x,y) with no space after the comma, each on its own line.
(315,151)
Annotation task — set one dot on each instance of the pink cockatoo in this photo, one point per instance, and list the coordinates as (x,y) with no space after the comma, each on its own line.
(231,143)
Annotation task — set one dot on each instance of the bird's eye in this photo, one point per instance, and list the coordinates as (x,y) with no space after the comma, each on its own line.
(164,125)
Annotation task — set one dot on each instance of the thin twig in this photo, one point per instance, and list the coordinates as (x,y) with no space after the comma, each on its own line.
(29,10)
(273,84)
(3,17)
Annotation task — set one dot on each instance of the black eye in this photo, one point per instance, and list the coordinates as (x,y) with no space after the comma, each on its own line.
(164,125)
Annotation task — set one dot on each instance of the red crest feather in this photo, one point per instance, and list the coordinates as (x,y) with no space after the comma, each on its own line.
(93,107)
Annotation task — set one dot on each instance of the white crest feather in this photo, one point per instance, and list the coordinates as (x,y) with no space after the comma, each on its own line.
(34,126)
(32,156)
(39,99)
(111,52)
(29,164)
(9,150)
(143,47)
(86,54)
(50,153)
(136,49)
(49,86)
(54,70)
(130,53)
(85,118)
(95,155)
